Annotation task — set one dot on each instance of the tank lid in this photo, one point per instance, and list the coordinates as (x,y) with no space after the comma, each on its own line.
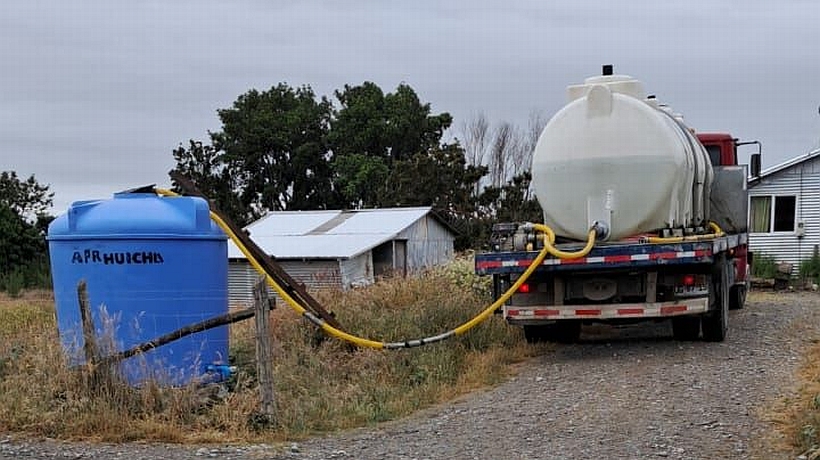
(621,84)
(136,215)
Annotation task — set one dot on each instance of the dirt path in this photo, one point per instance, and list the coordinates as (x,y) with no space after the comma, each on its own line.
(623,393)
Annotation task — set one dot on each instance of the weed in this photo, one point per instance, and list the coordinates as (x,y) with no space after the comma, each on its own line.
(764,266)
(319,387)
(810,268)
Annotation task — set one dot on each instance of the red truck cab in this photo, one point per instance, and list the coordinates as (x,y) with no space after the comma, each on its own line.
(722,148)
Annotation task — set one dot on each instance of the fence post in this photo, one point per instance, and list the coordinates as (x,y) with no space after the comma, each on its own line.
(89,336)
(264,349)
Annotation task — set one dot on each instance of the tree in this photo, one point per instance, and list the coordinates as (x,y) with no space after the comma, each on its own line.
(23,224)
(26,198)
(273,144)
(20,242)
(476,139)
(203,164)
(373,135)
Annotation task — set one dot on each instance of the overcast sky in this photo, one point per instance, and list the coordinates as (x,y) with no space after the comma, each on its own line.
(94,95)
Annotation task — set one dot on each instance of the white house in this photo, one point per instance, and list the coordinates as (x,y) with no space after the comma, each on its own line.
(343,249)
(784,210)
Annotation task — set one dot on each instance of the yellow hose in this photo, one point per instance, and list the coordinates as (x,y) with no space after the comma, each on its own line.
(362,342)
(550,241)
(716,232)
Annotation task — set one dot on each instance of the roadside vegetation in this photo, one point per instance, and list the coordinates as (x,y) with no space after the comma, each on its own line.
(764,266)
(798,416)
(321,384)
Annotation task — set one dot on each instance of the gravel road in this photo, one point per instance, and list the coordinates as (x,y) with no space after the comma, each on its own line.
(627,392)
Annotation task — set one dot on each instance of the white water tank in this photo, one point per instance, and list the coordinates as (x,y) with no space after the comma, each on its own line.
(613,156)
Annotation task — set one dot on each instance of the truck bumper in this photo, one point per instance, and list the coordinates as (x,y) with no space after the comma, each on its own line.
(537,314)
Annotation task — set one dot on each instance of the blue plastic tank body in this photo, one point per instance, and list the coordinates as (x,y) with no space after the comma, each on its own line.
(152,265)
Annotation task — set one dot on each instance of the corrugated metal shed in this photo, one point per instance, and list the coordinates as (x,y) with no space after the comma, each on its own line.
(328,234)
(798,177)
(342,249)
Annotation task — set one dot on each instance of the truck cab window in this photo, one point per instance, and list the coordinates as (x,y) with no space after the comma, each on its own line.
(714,154)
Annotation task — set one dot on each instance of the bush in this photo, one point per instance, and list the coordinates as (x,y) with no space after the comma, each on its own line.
(810,268)
(764,266)
(34,275)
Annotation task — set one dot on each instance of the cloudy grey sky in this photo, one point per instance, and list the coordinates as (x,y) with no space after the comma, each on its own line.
(94,95)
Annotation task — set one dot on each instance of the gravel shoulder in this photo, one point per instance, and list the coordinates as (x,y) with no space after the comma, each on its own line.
(624,392)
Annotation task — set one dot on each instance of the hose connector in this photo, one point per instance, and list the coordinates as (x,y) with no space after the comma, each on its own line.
(601,229)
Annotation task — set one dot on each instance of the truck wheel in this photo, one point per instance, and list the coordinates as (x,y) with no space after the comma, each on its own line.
(686,328)
(737,297)
(716,322)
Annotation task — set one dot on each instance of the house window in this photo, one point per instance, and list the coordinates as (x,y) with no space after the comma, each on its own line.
(772,213)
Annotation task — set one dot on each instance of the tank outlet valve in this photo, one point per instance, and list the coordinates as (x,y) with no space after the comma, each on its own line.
(601,230)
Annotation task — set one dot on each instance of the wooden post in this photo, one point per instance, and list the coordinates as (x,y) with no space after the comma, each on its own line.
(89,335)
(264,349)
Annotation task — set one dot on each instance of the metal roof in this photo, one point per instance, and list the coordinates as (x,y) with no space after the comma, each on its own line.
(327,234)
(785,165)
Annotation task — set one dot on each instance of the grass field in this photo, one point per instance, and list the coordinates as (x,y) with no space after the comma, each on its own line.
(319,388)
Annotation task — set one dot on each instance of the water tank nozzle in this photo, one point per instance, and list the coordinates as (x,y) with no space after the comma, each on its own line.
(601,230)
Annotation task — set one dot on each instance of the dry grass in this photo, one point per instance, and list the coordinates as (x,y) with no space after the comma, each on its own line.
(797,416)
(319,388)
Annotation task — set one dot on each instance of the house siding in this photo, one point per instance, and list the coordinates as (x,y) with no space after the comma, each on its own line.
(803,181)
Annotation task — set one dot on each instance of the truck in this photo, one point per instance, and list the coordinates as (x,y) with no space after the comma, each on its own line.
(645,219)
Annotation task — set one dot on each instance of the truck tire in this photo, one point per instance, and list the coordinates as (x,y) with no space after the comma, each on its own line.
(737,297)
(562,332)
(716,322)
(686,328)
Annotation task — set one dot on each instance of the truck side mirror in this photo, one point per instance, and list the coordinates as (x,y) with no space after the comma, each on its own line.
(754,165)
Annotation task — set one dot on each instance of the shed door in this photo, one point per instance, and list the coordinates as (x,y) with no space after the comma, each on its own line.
(400,257)
(390,258)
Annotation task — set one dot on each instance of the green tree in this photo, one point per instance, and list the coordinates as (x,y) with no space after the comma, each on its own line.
(20,241)
(375,136)
(27,198)
(273,144)
(23,224)
(203,164)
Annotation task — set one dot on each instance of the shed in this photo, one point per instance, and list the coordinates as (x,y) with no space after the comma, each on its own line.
(343,249)
(784,210)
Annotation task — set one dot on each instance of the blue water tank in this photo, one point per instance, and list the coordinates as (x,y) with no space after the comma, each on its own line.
(152,265)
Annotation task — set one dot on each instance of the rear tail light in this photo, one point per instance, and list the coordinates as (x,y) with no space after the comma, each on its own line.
(688,280)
